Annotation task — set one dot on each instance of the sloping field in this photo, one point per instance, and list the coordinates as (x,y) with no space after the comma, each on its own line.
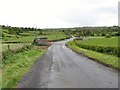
(102,41)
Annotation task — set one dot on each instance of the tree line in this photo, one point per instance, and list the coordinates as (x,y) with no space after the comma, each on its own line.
(18,30)
(94,31)
(78,31)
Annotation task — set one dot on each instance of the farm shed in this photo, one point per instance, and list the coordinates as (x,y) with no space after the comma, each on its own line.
(41,41)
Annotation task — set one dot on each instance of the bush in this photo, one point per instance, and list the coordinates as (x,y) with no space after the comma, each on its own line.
(99,49)
(102,34)
(117,34)
(91,34)
(108,36)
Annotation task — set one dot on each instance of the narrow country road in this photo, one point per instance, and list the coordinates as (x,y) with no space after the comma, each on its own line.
(60,67)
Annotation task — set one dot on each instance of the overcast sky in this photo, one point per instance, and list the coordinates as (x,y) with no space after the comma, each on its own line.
(58,13)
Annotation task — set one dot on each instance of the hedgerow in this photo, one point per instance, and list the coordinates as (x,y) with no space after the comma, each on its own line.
(11,53)
(102,49)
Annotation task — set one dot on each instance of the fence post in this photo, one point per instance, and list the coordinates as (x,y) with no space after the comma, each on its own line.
(8,47)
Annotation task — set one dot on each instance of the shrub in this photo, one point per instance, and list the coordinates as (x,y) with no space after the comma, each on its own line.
(107,35)
(91,34)
(99,49)
(117,34)
(102,34)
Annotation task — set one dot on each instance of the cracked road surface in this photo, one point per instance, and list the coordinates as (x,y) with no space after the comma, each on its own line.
(60,67)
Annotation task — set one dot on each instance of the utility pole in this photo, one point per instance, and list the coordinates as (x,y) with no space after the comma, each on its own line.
(36,32)
(34,26)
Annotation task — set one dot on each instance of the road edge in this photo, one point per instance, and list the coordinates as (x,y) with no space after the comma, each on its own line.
(94,59)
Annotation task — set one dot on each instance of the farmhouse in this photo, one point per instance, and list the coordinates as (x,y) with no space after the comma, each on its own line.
(41,41)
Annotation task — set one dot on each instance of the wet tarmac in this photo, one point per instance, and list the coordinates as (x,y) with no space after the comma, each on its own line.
(60,67)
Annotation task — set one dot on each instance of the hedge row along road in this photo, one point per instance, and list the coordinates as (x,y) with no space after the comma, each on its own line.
(102,49)
(60,67)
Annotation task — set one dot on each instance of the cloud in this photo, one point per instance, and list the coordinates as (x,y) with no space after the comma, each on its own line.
(119,14)
(58,13)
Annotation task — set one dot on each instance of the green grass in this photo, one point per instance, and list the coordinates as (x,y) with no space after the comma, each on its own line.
(102,41)
(12,46)
(28,37)
(8,35)
(21,63)
(22,39)
(54,35)
(0,79)
(103,58)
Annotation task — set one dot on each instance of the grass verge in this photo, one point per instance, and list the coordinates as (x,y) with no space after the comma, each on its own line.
(108,60)
(21,63)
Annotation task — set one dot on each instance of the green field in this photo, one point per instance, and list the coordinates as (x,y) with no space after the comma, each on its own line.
(102,45)
(12,46)
(54,35)
(102,41)
(28,37)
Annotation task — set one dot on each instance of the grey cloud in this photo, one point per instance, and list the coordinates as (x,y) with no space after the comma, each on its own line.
(94,1)
(106,10)
(80,18)
(119,13)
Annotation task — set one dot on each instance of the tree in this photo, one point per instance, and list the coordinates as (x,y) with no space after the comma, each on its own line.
(40,31)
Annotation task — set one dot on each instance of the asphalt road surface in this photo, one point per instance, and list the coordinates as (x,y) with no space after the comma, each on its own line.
(60,67)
